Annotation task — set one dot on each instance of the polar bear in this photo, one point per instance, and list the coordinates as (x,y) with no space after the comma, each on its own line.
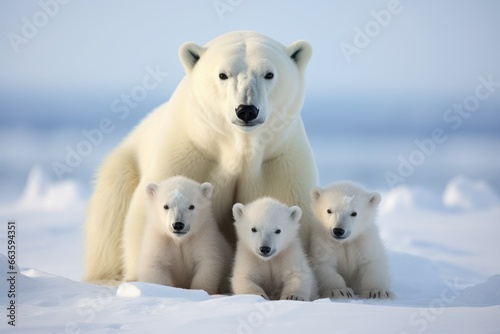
(182,244)
(346,251)
(270,260)
(233,121)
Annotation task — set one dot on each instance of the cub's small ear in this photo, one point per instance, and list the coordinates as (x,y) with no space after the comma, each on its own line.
(375,198)
(238,209)
(300,52)
(151,190)
(189,54)
(295,213)
(316,193)
(206,189)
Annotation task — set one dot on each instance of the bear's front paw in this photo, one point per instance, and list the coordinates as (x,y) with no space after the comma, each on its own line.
(292,297)
(377,294)
(345,293)
(266,297)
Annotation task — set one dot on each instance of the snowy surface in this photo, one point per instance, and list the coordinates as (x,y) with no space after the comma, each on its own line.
(443,254)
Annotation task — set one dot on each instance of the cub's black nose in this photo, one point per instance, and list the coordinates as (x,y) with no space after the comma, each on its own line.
(178,226)
(338,232)
(265,250)
(247,113)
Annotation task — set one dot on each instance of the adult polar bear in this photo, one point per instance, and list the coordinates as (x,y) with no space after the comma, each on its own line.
(233,121)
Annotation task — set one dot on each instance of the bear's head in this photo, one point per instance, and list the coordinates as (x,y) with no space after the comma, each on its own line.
(178,206)
(244,79)
(266,226)
(345,209)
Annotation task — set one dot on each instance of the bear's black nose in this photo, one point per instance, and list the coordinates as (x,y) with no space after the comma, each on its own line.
(265,250)
(338,232)
(247,113)
(178,226)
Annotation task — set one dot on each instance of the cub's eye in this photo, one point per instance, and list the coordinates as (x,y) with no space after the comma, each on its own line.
(166,207)
(354,214)
(191,207)
(223,76)
(269,76)
(278,231)
(254,229)
(329,211)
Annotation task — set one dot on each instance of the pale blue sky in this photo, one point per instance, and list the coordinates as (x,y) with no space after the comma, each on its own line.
(428,46)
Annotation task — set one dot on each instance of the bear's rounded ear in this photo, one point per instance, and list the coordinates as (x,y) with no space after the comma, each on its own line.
(238,211)
(151,190)
(300,52)
(295,213)
(375,198)
(316,193)
(189,54)
(206,189)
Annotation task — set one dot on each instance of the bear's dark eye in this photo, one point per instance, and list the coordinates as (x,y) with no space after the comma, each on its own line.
(329,211)
(191,207)
(223,76)
(354,214)
(254,229)
(278,231)
(166,207)
(269,76)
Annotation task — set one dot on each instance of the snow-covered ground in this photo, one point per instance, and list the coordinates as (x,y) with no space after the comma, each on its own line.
(443,252)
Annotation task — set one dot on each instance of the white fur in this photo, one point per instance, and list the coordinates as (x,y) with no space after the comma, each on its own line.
(195,257)
(285,272)
(354,263)
(195,135)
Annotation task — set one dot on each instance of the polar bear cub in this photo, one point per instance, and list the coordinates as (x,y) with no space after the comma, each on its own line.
(269,258)
(348,256)
(182,245)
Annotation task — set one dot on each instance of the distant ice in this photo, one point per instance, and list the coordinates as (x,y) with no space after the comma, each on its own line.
(41,195)
(483,294)
(461,193)
(464,193)
(404,198)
